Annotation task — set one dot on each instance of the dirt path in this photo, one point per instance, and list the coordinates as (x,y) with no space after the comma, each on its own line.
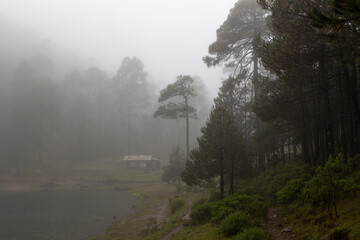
(172,233)
(276,226)
(178,228)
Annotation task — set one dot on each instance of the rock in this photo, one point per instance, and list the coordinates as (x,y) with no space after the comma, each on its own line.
(186,217)
(287,230)
(274,216)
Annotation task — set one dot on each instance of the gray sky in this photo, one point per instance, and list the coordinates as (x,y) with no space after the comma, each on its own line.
(169,36)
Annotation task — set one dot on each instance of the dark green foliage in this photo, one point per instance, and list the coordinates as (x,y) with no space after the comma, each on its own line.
(219,140)
(254,233)
(353,163)
(329,185)
(201,213)
(254,205)
(175,204)
(174,111)
(291,192)
(313,95)
(343,12)
(294,186)
(235,223)
(279,178)
(234,36)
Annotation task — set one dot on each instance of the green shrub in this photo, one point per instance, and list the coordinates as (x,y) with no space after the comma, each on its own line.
(234,224)
(291,192)
(353,163)
(176,204)
(254,233)
(244,188)
(330,185)
(220,213)
(201,213)
(279,178)
(254,205)
(257,206)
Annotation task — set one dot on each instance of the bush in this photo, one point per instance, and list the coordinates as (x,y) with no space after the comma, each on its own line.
(291,192)
(201,213)
(176,204)
(254,233)
(248,191)
(279,178)
(353,163)
(329,185)
(234,224)
(254,205)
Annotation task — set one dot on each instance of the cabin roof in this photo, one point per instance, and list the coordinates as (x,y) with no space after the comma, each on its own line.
(139,158)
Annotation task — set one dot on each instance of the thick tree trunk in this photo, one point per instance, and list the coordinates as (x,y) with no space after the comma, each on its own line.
(304,131)
(351,89)
(329,134)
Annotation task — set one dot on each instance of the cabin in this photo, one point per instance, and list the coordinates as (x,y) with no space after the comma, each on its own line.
(141,162)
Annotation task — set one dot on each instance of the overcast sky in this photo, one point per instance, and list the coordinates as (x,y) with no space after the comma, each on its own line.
(169,36)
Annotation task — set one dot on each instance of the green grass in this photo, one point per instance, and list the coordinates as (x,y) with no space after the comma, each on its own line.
(72,175)
(312,224)
(202,232)
(151,200)
(105,171)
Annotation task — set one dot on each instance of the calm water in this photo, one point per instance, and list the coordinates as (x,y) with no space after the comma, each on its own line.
(60,215)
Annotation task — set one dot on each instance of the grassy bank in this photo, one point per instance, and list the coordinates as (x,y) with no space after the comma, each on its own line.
(102,175)
(293,188)
(160,209)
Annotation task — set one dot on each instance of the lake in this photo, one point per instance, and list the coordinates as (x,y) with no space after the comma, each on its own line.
(60,215)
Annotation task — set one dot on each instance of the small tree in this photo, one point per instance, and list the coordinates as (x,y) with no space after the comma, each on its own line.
(330,185)
(214,156)
(173,171)
(183,89)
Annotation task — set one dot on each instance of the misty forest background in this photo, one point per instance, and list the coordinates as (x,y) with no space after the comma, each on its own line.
(55,108)
(292,92)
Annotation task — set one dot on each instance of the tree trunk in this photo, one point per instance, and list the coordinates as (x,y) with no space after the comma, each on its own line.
(329,134)
(187,131)
(222,175)
(231,189)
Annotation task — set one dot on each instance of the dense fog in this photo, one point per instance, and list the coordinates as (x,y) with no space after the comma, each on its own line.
(60,103)
(164,119)
(53,110)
